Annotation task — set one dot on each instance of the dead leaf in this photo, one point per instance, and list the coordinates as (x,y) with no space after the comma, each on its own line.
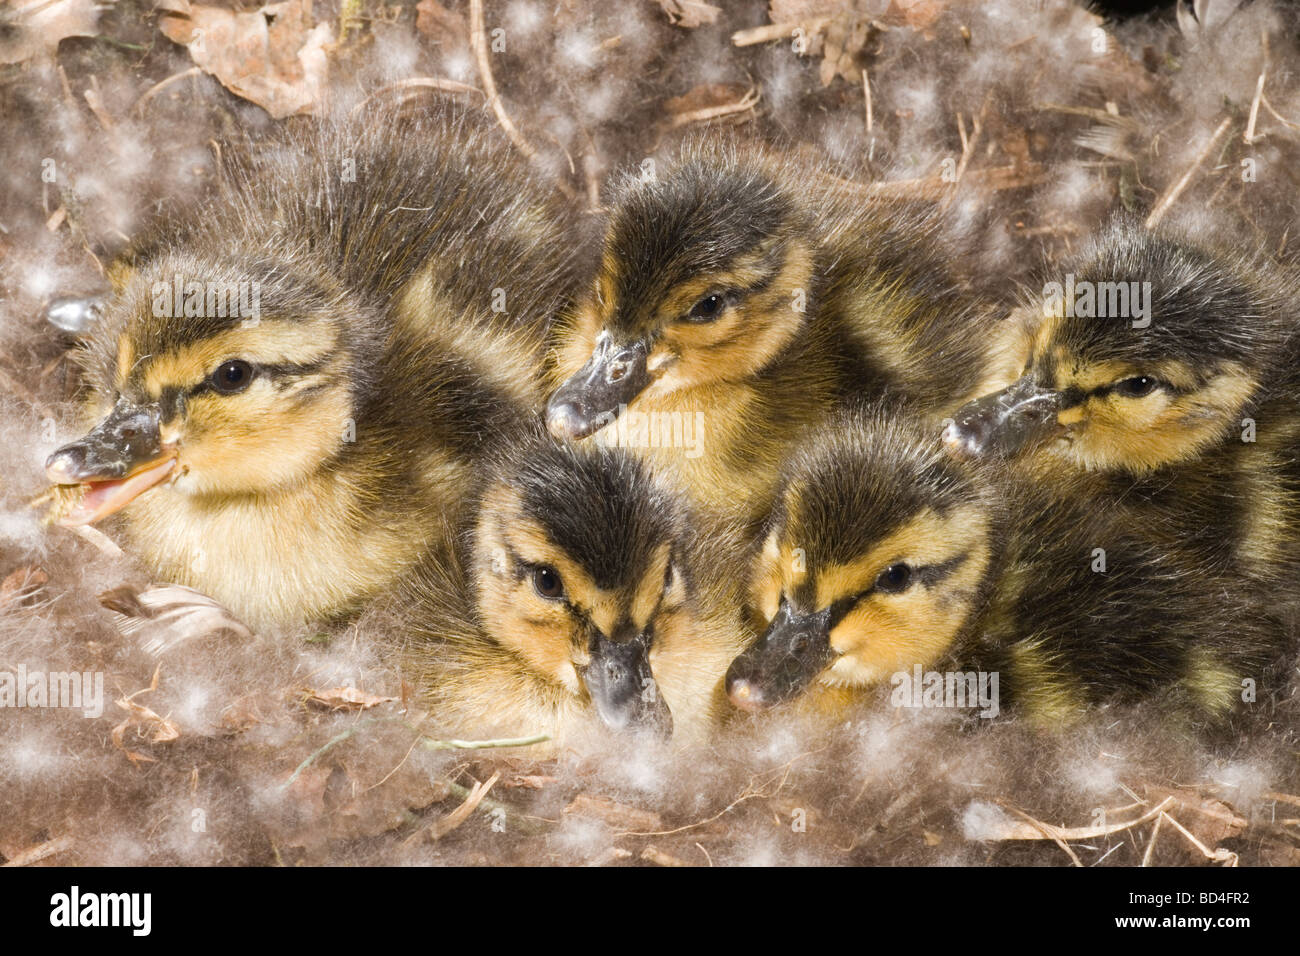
(920,15)
(616,814)
(342,698)
(690,14)
(528,781)
(703,97)
(274,57)
(1211,821)
(443,26)
(145,722)
(30,28)
(652,854)
(21,585)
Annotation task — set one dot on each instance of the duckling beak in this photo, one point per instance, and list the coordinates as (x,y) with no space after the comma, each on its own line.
(783,662)
(1004,423)
(595,394)
(623,688)
(121,458)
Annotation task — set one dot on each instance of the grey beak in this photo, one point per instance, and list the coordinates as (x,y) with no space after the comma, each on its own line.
(623,688)
(1004,423)
(128,439)
(593,396)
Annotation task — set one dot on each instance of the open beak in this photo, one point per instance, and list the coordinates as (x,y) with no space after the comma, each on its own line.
(783,662)
(121,458)
(623,688)
(1004,423)
(594,395)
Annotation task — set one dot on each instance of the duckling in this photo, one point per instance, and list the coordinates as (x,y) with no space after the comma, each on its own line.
(888,558)
(295,382)
(741,294)
(571,605)
(1166,371)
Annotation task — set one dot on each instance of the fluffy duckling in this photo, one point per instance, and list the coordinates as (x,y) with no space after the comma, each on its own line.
(1169,372)
(570,606)
(740,295)
(294,382)
(888,559)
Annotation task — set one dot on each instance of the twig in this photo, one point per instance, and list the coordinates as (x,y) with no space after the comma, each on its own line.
(478,41)
(1282,797)
(318,752)
(161,85)
(1259,91)
(1173,192)
(777,31)
(745,103)
(1276,115)
(1049,831)
(1081,833)
(652,854)
(1249,136)
(420,83)
(1151,844)
(444,825)
(40,852)
(866,96)
(432,744)
(1218,855)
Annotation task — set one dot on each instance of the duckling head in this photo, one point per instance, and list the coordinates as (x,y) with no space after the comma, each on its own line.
(214,378)
(703,279)
(575,571)
(878,554)
(1150,349)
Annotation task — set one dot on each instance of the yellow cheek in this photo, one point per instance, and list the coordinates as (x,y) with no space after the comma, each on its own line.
(256,441)
(1071,416)
(576,335)
(891,633)
(541,632)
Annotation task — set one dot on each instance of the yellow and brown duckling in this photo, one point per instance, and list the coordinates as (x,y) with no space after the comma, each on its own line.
(741,294)
(1166,372)
(887,559)
(570,606)
(295,381)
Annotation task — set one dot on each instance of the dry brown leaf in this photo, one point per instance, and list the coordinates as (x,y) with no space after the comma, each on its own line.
(616,814)
(146,723)
(917,14)
(241,714)
(29,29)
(658,857)
(342,698)
(274,57)
(528,782)
(22,584)
(443,26)
(1211,821)
(703,97)
(690,13)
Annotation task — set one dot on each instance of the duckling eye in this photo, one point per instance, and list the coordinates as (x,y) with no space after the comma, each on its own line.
(1137,386)
(894,578)
(547,583)
(231,377)
(708,308)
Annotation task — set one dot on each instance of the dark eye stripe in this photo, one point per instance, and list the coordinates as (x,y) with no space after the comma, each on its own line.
(926,575)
